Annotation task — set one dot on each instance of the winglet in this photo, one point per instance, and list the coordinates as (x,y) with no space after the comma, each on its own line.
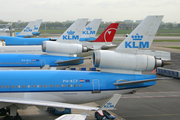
(108,34)
(111,103)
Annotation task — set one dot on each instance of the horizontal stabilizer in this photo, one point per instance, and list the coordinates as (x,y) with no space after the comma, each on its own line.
(138,81)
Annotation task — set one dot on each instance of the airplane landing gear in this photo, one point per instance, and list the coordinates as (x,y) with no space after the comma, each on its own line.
(3,112)
(8,117)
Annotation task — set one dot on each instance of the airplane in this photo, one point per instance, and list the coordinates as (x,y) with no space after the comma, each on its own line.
(65,58)
(7,28)
(121,72)
(38,41)
(90,31)
(30,30)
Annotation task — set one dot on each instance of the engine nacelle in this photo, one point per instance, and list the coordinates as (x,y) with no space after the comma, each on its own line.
(115,60)
(63,48)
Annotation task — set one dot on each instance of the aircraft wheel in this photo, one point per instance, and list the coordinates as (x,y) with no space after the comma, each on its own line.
(3,112)
(7,117)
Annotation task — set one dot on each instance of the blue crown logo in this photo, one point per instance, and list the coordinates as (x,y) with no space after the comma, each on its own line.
(109,103)
(137,37)
(89,28)
(70,32)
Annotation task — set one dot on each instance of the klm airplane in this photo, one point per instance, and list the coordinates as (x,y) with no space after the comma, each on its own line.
(121,72)
(88,34)
(55,58)
(31,29)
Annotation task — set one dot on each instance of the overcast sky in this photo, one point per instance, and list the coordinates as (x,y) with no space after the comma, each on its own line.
(108,10)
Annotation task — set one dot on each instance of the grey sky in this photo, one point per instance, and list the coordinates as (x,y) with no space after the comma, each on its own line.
(108,10)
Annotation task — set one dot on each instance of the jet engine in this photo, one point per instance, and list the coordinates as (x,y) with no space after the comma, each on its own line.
(63,48)
(116,60)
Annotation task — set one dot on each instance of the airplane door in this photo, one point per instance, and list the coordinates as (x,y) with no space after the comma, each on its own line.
(43,62)
(96,85)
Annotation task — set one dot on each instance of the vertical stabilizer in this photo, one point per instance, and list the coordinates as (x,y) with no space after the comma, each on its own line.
(108,34)
(74,31)
(90,30)
(27,31)
(37,25)
(142,36)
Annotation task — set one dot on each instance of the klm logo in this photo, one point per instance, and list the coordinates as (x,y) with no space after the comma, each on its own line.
(136,43)
(70,36)
(89,32)
(109,105)
(28,29)
(35,28)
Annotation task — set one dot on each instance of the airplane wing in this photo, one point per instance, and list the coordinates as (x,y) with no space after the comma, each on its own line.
(139,81)
(44,103)
(71,61)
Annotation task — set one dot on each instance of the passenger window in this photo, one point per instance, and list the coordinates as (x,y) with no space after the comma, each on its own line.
(56,85)
(44,85)
(41,86)
(12,86)
(32,86)
(9,86)
(19,86)
(25,86)
(35,86)
(68,85)
(22,86)
(65,85)
(74,85)
(6,86)
(62,85)
(59,85)
(71,85)
(77,85)
(38,86)
(47,85)
(80,85)
(28,86)
(16,86)
(50,85)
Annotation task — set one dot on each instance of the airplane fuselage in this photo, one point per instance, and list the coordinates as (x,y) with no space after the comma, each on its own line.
(23,41)
(32,60)
(67,86)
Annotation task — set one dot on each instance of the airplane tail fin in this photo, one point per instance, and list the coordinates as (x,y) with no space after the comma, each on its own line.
(37,25)
(74,31)
(27,30)
(91,29)
(142,36)
(108,34)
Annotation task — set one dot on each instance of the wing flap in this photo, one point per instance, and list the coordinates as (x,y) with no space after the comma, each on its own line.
(45,103)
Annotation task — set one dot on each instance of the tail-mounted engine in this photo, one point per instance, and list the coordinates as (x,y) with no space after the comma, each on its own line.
(63,48)
(115,60)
